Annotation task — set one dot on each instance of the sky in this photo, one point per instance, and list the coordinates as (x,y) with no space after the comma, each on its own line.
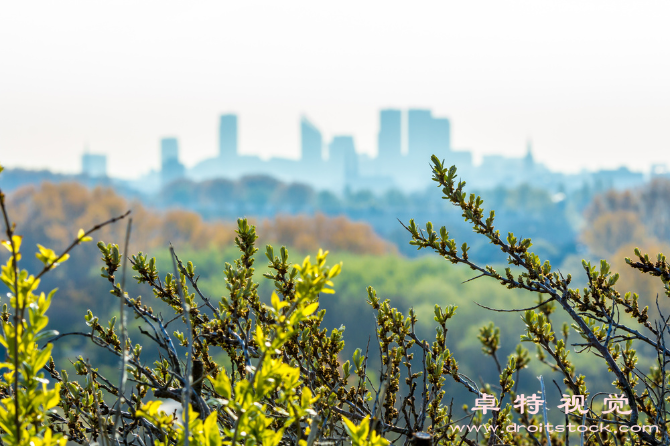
(586,81)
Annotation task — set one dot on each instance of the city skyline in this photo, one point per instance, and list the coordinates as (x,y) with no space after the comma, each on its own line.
(477,155)
(588,96)
(405,138)
(337,166)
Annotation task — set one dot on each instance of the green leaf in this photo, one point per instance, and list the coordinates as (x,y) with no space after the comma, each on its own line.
(222,384)
(81,235)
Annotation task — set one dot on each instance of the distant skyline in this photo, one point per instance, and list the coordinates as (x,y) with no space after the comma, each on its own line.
(585,81)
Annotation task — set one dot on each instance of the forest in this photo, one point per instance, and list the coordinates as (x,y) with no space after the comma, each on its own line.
(366,269)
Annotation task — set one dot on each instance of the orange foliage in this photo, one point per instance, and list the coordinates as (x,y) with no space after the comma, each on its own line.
(611,230)
(53,213)
(618,222)
(307,234)
(612,201)
(618,218)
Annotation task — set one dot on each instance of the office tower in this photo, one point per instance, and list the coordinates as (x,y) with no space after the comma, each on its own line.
(342,157)
(427,135)
(441,136)
(389,138)
(171,168)
(169,150)
(418,132)
(228,136)
(311,143)
(94,166)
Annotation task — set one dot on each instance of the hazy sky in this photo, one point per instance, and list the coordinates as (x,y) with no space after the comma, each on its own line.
(588,81)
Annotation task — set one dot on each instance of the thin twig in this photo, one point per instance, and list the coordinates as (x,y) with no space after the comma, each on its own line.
(186,398)
(516,309)
(124,333)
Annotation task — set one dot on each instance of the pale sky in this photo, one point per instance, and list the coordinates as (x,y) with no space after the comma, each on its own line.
(587,81)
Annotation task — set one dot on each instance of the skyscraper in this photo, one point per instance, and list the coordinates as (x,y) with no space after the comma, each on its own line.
(169,150)
(389,138)
(441,136)
(171,168)
(311,143)
(228,136)
(428,135)
(342,157)
(418,132)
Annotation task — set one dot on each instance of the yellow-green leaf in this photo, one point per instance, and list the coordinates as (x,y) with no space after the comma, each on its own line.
(311,308)
(81,235)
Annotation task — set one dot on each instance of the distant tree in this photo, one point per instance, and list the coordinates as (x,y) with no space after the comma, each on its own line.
(328,202)
(296,197)
(619,221)
(180,192)
(217,192)
(394,198)
(655,198)
(257,190)
(336,234)
(651,203)
(607,233)
(362,199)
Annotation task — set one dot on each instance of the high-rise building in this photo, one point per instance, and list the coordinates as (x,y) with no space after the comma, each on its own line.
(342,156)
(427,135)
(389,141)
(441,135)
(418,132)
(228,136)
(169,150)
(171,168)
(311,143)
(94,166)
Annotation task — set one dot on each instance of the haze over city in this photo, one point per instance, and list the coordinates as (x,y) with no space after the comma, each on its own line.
(119,78)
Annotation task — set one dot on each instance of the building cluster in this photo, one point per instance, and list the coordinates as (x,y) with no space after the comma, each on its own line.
(336,164)
(405,143)
(406,140)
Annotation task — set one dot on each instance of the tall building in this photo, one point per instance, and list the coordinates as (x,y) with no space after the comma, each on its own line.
(169,150)
(228,136)
(389,140)
(171,168)
(342,157)
(426,135)
(311,143)
(94,166)
(441,135)
(418,132)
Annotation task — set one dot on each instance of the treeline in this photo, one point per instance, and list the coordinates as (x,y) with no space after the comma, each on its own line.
(266,195)
(52,213)
(552,219)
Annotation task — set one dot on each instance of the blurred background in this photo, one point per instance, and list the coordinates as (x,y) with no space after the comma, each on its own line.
(317,122)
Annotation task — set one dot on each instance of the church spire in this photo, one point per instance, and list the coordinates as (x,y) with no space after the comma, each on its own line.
(529,154)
